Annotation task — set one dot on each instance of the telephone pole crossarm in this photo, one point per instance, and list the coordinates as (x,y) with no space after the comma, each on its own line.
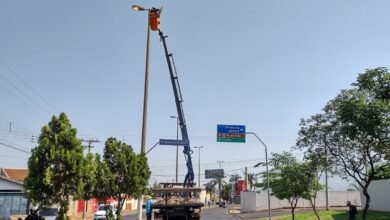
(90,141)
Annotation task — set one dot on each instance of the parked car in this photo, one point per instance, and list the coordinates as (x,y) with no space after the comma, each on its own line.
(49,213)
(4,213)
(101,211)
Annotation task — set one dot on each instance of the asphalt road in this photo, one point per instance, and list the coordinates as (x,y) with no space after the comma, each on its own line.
(207,214)
(216,213)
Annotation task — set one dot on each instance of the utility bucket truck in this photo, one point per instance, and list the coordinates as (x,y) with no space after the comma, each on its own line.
(176,200)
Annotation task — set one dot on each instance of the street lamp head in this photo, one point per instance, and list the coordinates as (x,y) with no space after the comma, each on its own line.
(138,8)
(172,116)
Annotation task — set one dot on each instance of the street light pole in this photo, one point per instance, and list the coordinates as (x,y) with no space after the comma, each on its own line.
(200,147)
(266,165)
(145,104)
(177,147)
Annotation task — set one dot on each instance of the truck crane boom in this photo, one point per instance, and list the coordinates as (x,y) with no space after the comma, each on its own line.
(189,178)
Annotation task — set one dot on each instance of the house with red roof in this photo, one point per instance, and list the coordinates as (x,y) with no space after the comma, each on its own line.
(11,190)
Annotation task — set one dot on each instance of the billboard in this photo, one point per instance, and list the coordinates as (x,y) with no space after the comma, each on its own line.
(214,174)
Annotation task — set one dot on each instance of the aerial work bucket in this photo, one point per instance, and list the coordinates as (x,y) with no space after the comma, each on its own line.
(154,20)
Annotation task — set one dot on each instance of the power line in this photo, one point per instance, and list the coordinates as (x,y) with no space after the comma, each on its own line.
(13,157)
(214,163)
(15,96)
(32,89)
(15,126)
(27,85)
(15,148)
(24,94)
(13,144)
(30,139)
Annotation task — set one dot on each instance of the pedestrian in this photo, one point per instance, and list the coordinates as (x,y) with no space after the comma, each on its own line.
(34,215)
(352,211)
(148,207)
(208,203)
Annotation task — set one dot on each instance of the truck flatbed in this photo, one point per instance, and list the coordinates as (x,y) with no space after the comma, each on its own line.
(188,205)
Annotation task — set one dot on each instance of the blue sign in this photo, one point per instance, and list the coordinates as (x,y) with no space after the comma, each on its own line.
(237,129)
(231,133)
(174,142)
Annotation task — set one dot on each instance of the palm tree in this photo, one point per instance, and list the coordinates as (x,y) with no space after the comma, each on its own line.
(210,186)
(252,178)
(234,178)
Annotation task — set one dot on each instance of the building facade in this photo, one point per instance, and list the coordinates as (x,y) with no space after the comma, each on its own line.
(11,190)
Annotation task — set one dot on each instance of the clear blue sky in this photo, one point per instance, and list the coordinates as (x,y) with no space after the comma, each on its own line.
(263,64)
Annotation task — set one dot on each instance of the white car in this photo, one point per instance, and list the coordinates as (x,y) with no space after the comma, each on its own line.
(101,211)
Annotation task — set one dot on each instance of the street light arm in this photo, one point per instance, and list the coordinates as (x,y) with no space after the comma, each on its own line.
(253,133)
(138,8)
(153,147)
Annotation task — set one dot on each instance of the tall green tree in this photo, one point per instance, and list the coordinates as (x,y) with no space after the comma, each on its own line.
(121,173)
(290,179)
(355,127)
(234,178)
(312,167)
(210,188)
(56,166)
(226,191)
(89,176)
(104,180)
(89,179)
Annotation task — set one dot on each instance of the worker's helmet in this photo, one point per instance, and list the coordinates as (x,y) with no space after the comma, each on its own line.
(34,209)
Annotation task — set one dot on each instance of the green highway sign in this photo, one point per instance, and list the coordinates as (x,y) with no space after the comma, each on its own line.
(231,133)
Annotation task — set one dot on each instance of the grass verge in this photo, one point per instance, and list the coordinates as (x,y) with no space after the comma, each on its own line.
(333,215)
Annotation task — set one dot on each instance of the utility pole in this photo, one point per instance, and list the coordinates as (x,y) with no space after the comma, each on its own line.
(220,162)
(177,147)
(90,141)
(246,178)
(200,147)
(89,146)
(219,180)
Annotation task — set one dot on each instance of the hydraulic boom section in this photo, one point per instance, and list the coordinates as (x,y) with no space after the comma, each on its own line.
(189,178)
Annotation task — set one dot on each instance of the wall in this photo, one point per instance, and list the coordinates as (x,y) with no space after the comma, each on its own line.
(11,194)
(9,185)
(379,191)
(253,201)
